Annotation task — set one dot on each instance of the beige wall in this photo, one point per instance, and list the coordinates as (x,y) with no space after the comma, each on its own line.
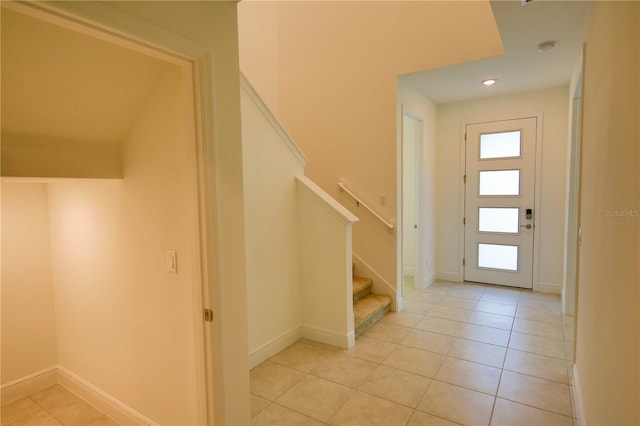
(553,104)
(416,104)
(124,323)
(214,26)
(338,63)
(607,345)
(28,317)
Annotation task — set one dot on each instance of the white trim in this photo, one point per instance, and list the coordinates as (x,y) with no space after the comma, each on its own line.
(275,123)
(577,396)
(326,200)
(275,345)
(399,304)
(449,276)
(538,205)
(329,337)
(549,288)
(380,285)
(27,385)
(101,400)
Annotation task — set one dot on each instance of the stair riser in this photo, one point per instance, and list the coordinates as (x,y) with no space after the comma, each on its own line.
(359,295)
(369,322)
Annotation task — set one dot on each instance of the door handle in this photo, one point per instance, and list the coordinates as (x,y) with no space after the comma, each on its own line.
(528,226)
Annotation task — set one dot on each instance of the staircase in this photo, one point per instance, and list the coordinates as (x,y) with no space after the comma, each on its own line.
(368,308)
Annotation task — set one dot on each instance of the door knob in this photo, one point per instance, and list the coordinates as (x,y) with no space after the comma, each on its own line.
(528,226)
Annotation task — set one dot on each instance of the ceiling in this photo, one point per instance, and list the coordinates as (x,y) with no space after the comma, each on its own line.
(521,68)
(65,85)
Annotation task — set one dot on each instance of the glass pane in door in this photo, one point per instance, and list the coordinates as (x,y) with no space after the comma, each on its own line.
(500,145)
(498,256)
(498,219)
(499,182)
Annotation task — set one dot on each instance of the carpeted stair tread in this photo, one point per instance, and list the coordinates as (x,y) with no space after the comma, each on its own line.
(368,310)
(361,284)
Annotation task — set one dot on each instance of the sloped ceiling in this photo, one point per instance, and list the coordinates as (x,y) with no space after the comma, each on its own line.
(63,85)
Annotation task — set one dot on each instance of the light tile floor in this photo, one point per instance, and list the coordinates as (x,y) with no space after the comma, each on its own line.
(53,406)
(457,354)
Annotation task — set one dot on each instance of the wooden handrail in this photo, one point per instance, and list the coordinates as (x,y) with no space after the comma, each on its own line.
(390,225)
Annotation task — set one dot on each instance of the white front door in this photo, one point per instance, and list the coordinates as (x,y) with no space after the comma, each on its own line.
(499,202)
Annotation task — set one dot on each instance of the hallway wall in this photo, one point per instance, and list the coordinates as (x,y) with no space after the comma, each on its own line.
(608,314)
(28,317)
(336,84)
(554,104)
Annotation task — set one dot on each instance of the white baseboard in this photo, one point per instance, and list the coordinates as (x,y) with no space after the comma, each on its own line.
(578,397)
(549,288)
(329,337)
(275,345)
(27,385)
(110,406)
(449,276)
(399,304)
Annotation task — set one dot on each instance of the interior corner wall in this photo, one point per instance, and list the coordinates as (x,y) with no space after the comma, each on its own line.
(124,323)
(608,315)
(553,104)
(416,104)
(28,316)
(337,68)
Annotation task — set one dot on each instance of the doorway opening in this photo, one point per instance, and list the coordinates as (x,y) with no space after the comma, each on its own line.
(412,138)
(100,132)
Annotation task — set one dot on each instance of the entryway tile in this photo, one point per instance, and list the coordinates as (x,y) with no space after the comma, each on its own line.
(370,349)
(457,404)
(301,356)
(490,335)
(388,332)
(440,325)
(345,370)
(542,366)
(491,320)
(363,409)
(414,360)
(396,385)
(539,315)
(405,319)
(428,341)
(315,397)
(18,410)
(270,380)
(257,404)
(479,352)
(536,392)
(277,415)
(538,328)
(537,344)
(496,308)
(447,312)
(509,413)
(470,375)
(423,419)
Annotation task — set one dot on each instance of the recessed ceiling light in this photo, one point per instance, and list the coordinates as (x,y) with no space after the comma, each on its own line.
(546,46)
(489,82)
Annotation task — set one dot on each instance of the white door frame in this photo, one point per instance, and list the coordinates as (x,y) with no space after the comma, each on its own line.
(537,190)
(110,25)
(419,274)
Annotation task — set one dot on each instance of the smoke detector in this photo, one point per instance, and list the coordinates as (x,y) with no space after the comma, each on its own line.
(546,46)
